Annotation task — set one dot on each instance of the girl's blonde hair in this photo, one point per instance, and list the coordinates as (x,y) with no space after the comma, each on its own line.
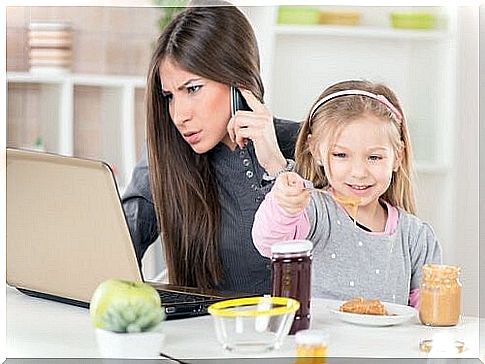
(327,121)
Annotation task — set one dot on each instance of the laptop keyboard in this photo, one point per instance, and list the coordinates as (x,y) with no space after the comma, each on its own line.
(177,297)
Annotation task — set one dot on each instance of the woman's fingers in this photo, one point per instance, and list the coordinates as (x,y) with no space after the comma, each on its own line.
(241,135)
(249,124)
(253,102)
(230,129)
(246,125)
(257,125)
(234,129)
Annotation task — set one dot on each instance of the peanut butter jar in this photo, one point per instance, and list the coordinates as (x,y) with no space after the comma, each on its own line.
(440,295)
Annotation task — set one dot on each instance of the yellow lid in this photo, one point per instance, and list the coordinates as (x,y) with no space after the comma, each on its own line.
(311,337)
(263,306)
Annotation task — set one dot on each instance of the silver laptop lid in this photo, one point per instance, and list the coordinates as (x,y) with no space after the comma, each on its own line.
(66,231)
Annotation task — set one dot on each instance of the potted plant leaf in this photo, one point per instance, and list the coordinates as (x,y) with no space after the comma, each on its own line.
(127,317)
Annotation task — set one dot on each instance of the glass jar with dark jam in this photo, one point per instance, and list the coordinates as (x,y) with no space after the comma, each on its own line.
(291,265)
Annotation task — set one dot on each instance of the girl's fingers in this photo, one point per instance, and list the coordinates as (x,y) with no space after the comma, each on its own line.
(290,205)
(293,180)
(292,196)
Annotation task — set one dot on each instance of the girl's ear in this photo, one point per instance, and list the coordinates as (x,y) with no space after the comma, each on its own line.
(314,150)
(399,157)
(310,144)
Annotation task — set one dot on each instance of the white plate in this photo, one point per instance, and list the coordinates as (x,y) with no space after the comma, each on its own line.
(397,314)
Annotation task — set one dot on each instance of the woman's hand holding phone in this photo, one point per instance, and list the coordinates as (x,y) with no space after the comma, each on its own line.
(257,125)
(290,193)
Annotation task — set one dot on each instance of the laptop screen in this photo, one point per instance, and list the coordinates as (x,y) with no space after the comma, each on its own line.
(66,230)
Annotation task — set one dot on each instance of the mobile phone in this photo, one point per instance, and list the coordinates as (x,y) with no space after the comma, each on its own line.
(238,102)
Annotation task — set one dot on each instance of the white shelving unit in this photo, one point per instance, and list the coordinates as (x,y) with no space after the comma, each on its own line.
(366,32)
(117,104)
(117,109)
(299,61)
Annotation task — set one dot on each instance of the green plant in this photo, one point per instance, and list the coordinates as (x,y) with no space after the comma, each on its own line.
(125,306)
(169,8)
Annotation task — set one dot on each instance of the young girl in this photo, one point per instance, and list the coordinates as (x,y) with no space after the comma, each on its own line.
(354,149)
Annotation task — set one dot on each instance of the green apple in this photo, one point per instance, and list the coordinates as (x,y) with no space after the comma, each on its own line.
(125,306)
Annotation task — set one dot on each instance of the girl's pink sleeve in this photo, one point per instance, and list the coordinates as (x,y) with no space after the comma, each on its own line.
(272,225)
(414,298)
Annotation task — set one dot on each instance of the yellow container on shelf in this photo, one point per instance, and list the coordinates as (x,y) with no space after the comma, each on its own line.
(339,17)
(298,15)
(412,20)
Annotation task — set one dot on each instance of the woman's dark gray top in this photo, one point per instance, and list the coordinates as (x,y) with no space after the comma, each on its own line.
(241,190)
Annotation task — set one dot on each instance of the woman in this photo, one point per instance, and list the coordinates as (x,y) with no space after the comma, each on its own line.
(208,171)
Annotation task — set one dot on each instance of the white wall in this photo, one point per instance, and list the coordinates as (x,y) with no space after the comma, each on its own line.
(465,177)
(482,173)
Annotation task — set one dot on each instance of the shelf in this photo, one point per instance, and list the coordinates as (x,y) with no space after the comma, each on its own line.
(77,79)
(430,168)
(360,32)
(106,112)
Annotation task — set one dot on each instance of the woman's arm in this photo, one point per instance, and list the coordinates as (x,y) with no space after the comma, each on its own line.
(139,209)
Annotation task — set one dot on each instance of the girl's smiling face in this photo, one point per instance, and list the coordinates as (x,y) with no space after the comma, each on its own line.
(361,160)
(198,107)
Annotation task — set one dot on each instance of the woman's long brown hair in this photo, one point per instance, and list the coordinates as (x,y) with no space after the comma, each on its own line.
(219,44)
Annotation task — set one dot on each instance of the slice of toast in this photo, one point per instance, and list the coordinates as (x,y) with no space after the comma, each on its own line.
(362,306)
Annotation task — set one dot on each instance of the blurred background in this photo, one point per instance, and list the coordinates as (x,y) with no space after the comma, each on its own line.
(76,78)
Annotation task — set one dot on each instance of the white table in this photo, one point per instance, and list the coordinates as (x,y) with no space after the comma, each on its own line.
(38,328)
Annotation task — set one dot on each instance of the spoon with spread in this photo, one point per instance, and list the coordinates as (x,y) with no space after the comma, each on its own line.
(350,202)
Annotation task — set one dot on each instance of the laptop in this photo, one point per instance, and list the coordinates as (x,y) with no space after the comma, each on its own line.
(67,232)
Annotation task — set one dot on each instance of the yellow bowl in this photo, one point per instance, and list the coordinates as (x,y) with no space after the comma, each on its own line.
(254,324)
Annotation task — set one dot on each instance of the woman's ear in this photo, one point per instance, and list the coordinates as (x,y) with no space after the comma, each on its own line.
(399,156)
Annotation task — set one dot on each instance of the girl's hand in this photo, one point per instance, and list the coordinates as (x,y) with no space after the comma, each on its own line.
(257,125)
(290,193)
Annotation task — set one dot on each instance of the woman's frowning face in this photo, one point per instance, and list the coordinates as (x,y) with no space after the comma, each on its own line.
(198,107)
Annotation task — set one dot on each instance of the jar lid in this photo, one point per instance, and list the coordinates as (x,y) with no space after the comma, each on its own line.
(440,269)
(292,246)
(311,337)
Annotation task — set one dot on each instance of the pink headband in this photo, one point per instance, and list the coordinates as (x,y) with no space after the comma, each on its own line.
(379,98)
